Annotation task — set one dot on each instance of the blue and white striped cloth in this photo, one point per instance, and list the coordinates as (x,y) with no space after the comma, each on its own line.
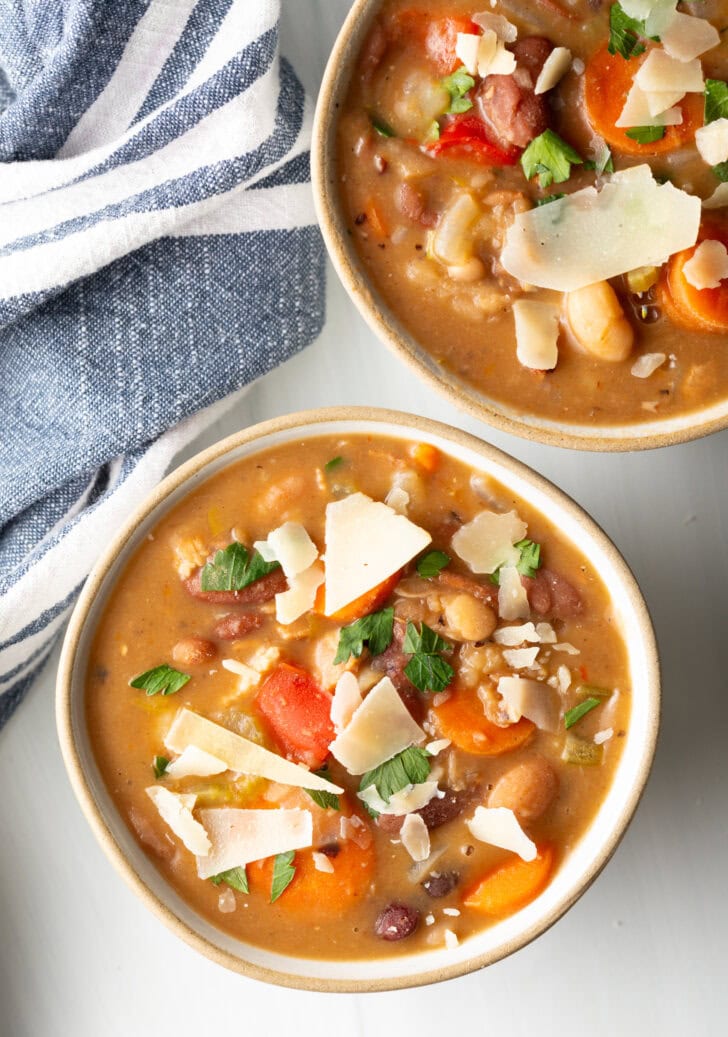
(158,251)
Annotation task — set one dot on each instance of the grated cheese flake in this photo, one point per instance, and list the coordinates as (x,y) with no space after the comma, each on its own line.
(660,73)
(195,762)
(503,29)
(486,542)
(512,596)
(175,809)
(300,596)
(555,67)
(712,142)
(290,545)
(406,801)
(346,700)
(537,334)
(603,736)
(647,364)
(379,729)
(708,265)
(688,37)
(520,658)
(238,837)
(514,636)
(322,863)
(415,837)
(650,109)
(498,826)
(451,939)
(466,50)
(536,700)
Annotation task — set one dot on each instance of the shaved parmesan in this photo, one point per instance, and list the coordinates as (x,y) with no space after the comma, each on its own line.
(415,837)
(660,73)
(322,863)
(712,142)
(512,597)
(656,14)
(643,109)
(189,728)
(647,364)
(366,543)
(687,37)
(603,736)
(532,699)
(300,596)
(718,198)
(520,658)
(437,746)
(555,67)
(496,23)
(537,333)
(379,729)
(238,837)
(514,636)
(290,545)
(451,939)
(466,50)
(708,265)
(197,762)
(546,633)
(409,799)
(503,63)
(498,827)
(346,700)
(564,646)
(563,676)
(636,221)
(176,811)
(487,541)
(248,677)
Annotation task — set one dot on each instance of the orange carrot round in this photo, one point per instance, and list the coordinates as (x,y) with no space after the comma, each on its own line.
(426,456)
(703,309)
(362,606)
(511,885)
(607,81)
(461,719)
(298,712)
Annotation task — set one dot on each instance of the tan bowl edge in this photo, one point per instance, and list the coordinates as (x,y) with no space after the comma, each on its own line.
(410,424)
(375,310)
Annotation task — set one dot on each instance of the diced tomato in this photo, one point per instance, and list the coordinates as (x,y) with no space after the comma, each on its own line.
(465,136)
(298,713)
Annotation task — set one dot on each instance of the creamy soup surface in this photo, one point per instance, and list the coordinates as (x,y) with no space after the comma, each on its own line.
(461,717)
(465,131)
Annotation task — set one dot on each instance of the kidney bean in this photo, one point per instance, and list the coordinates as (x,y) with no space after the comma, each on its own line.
(392,663)
(439,884)
(264,589)
(437,812)
(396,922)
(507,104)
(548,592)
(233,626)
(411,204)
(193,651)
(528,789)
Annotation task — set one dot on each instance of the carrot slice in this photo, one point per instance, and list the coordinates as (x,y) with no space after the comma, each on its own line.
(607,81)
(426,456)
(703,309)
(461,719)
(369,602)
(437,36)
(298,713)
(511,885)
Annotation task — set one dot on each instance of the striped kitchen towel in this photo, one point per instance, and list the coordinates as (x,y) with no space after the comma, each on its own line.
(158,251)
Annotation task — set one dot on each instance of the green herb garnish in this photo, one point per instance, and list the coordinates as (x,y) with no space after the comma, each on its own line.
(646,134)
(410,767)
(234,568)
(159,765)
(427,670)
(433,133)
(375,629)
(550,158)
(164,679)
(716,100)
(283,872)
(625,33)
(528,563)
(236,878)
(549,198)
(327,800)
(432,563)
(572,716)
(721,171)
(382,129)
(458,85)
(333,463)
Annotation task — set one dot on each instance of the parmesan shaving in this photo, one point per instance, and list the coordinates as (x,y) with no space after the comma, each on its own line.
(555,67)
(512,597)
(238,837)
(712,142)
(535,700)
(406,801)
(650,109)
(466,50)
(415,837)
(498,827)
(504,30)
(636,221)
(660,73)
(379,729)
(322,863)
(647,364)
(537,333)
(433,748)
(514,636)
(546,633)
(688,37)
(195,762)
(176,811)
(290,545)
(656,14)
(520,658)
(487,541)
(564,646)
(603,736)
(346,700)
(300,596)
(707,267)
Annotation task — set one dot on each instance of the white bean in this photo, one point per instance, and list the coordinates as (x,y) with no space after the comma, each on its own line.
(598,323)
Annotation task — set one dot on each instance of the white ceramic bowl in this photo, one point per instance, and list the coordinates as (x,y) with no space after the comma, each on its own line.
(576,872)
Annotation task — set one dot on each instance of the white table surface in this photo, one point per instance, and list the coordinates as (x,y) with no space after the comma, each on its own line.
(645,950)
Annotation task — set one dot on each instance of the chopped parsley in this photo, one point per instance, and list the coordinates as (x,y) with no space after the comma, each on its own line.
(550,158)
(236,878)
(433,133)
(410,767)
(646,134)
(432,563)
(333,463)
(283,872)
(549,198)
(716,100)
(375,629)
(721,171)
(625,33)
(528,563)
(327,800)
(164,679)
(382,129)
(234,568)
(572,716)
(159,766)
(427,670)
(458,85)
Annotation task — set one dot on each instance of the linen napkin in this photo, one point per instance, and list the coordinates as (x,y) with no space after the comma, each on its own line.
(158,251)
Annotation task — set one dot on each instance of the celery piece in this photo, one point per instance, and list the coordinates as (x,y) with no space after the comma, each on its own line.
(581,751)
(589,691)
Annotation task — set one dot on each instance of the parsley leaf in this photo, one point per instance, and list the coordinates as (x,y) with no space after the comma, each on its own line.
(426,669)
(320,796)
(159,765)
(573,715)
(721,171)
(549,157)
(283,872)
(162,678)
(236,878)
(432,563)
(625,33)
(410,767)
(527,564)
(716,100)
(234,568)
(433,133)
(382,129)
(549,198)
(375,629)
(333,463)
(458,85)
(646,134)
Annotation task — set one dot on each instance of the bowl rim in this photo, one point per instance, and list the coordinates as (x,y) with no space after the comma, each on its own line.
(409,425)
(388,328)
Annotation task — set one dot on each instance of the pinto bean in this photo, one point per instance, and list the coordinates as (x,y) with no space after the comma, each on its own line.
(411,203)
(469,619)
(440,883)
(548,592)
(437,812)
(528,789)
(485,592)
(264,589)
(193,651)
(236,625)
(396,922)
(508,105)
